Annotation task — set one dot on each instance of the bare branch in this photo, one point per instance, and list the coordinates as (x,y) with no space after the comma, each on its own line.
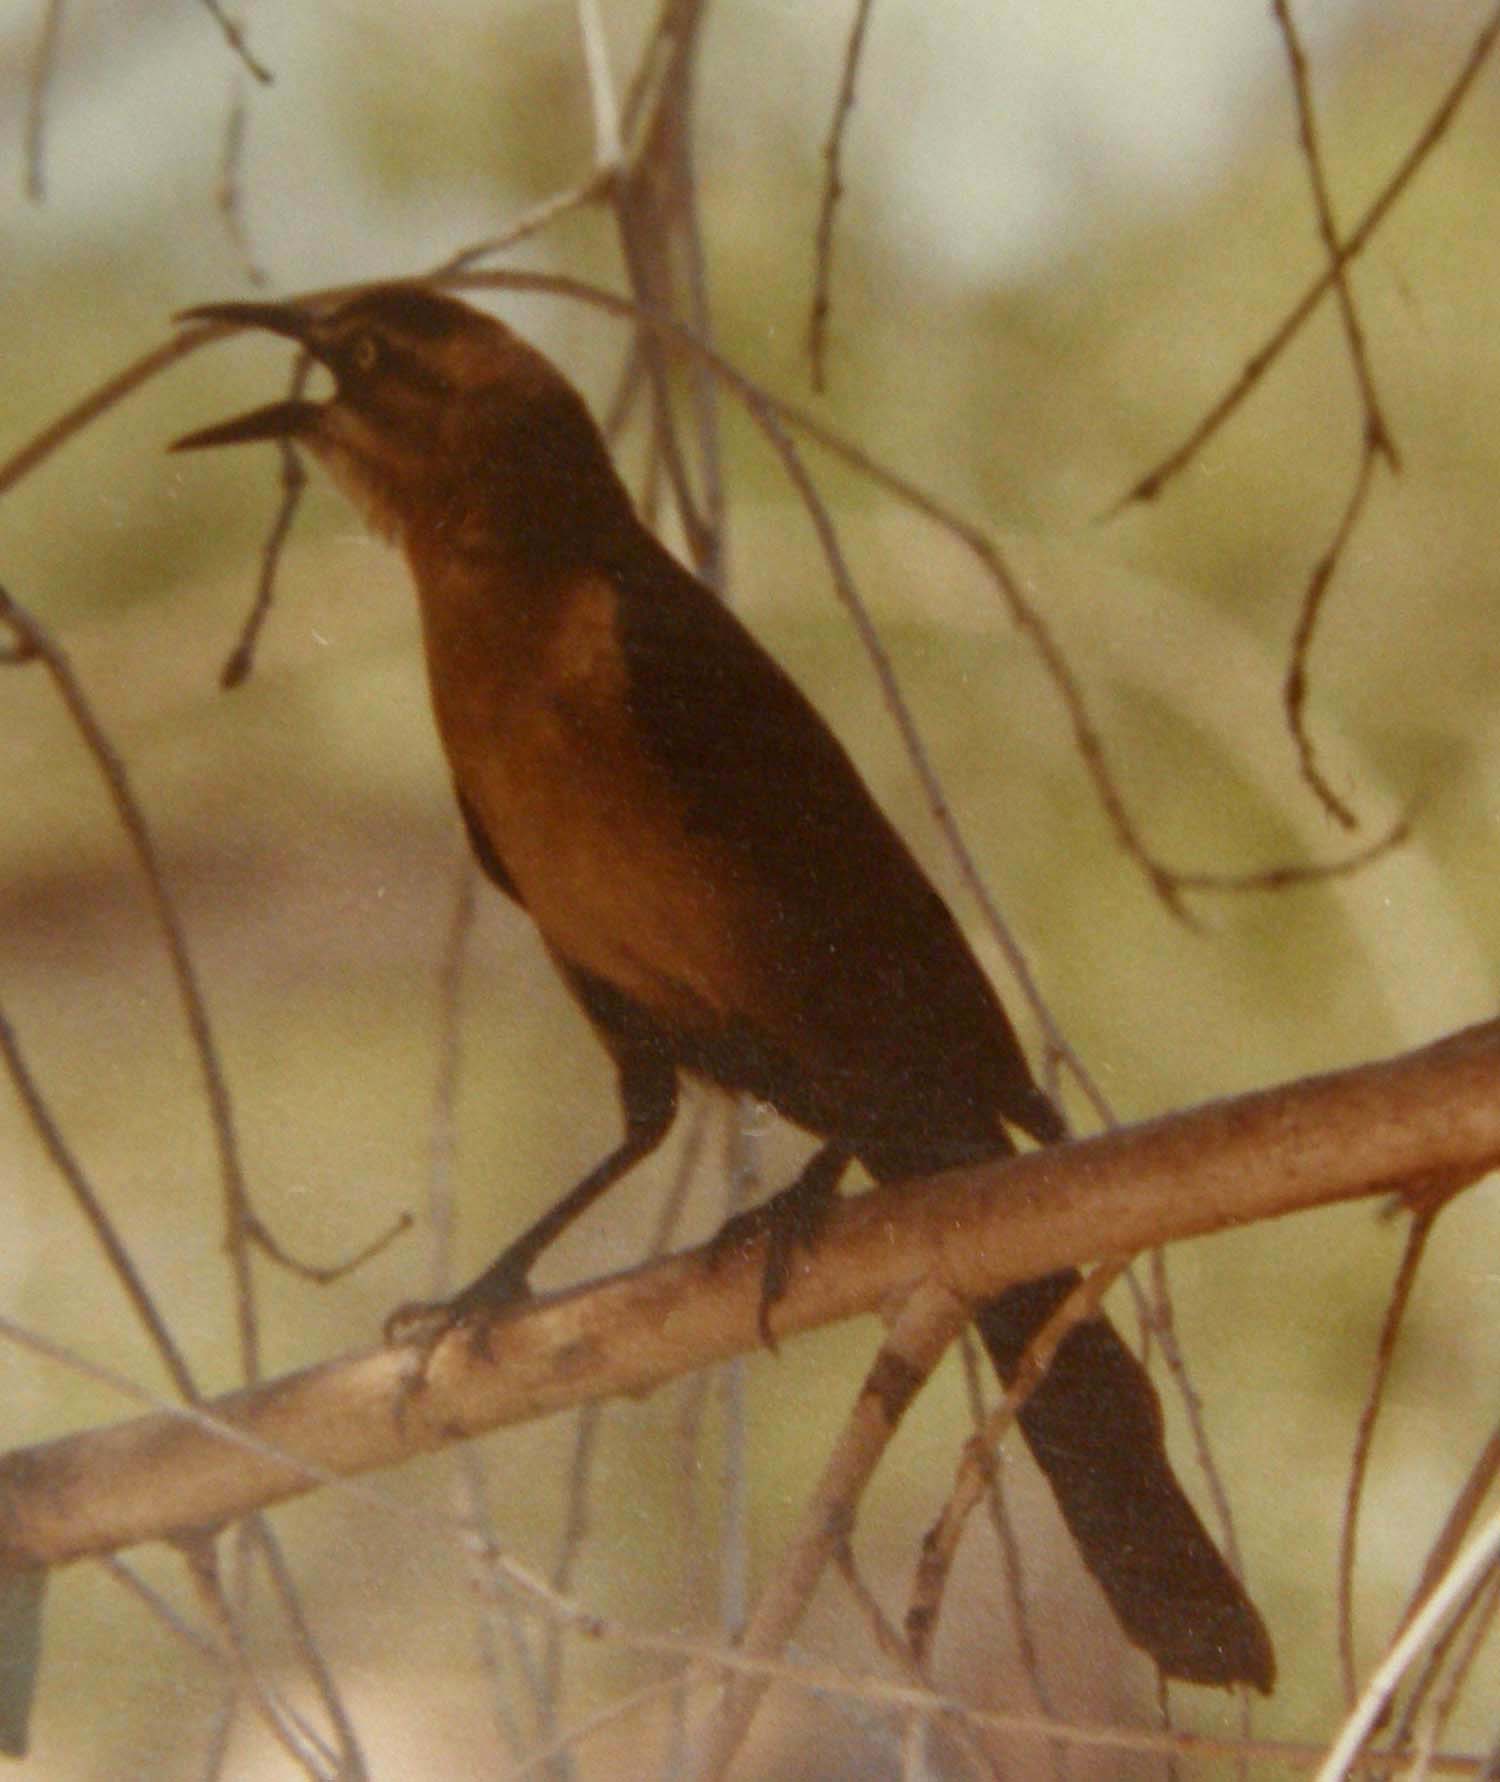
(609,150)
(38,93)
(231,189)
(1448,1662)
(352,1766)
(89,1203)
(1314,1142)
(1377,433)
(1459,1521)
(41,446)
(531,222)
(234,36)
(1148,487)
(1011,1559)
(302,1744)
(1385,1349)
(40,646)
(1313,872)
(241,658)
(940,1543)
(1467,1575)
(833,190)
(888,1640)
(925,1326)
(1294,693)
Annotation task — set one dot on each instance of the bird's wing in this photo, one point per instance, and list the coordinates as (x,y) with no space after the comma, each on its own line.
(872,986)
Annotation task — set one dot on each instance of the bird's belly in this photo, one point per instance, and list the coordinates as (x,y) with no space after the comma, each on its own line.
(596,843)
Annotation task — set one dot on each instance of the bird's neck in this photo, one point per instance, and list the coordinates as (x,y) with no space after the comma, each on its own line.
(497,600)
(521,507)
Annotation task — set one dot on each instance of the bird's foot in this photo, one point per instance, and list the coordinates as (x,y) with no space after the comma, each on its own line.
(789,1221)
(423,1324)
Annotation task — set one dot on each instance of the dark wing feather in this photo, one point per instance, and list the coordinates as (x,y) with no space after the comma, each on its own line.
(884,1010)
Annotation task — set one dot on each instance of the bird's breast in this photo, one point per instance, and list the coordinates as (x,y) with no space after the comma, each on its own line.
(540,735)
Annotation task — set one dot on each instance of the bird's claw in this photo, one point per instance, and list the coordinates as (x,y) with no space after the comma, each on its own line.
(423,1325)
(789,1221)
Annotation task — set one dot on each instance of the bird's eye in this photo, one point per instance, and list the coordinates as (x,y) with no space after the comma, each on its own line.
(364,353)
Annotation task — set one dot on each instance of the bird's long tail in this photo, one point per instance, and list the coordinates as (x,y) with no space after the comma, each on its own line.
(1095,1427)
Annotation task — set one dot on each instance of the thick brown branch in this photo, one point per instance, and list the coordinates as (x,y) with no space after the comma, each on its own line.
(1309,1143)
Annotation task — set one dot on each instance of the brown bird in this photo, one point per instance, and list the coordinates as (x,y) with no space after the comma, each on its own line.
(710,874)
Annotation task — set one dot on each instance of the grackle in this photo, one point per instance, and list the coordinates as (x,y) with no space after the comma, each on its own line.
(710,874)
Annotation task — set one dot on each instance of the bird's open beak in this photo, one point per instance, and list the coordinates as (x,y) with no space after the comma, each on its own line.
(279,420)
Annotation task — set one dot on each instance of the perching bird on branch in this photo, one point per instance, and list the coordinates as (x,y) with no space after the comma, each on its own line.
(711,876)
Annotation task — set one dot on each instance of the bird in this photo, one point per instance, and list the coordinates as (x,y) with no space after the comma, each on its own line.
(710,875)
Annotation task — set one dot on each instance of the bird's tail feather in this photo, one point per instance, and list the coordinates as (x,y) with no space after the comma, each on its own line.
(1095,1427)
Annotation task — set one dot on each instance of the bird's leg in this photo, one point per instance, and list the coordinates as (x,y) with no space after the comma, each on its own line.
(789,1221)
(648,1095)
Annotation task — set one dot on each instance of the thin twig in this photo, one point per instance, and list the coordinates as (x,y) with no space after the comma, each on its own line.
(442,1128)
(500,1621)
(922,1331)
(641,244)
(234,36)
(531,222)
(1449,1662)
(38,93)
(1148,487)
(609,151)
(1444,1550)
(108,395)
(497,1622)
(1385,1349)
(89,1203)
(293,477)
(833,190)
(654,205)
(132,819)
(1315,872)
(970,1485)
(643,90)
(1294,691)
(1481,1626)
(587,1429)
(312,1754)
(626,392)
(1459,1521)
(742,1187)
(351,1765)
(165,1612)
(1377,432)
(888,1639)
(704,387)
(1466,1575)
(565,1742)
(691,1410)
(230,193)
(1012,1559)
(324,1274)
(1163,1328)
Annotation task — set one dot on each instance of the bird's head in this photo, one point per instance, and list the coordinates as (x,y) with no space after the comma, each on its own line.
(423,388)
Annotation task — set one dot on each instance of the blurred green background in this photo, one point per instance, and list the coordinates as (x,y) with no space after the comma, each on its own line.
(1061,239)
